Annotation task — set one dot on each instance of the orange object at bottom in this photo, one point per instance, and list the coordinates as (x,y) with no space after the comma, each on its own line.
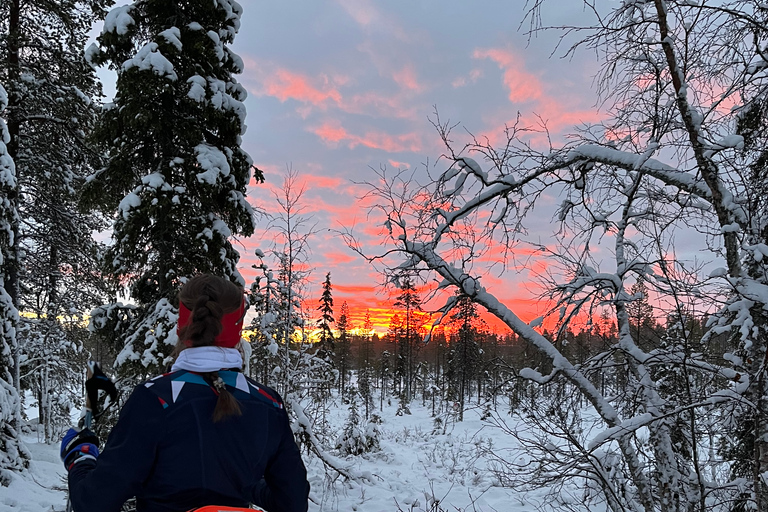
(217,508)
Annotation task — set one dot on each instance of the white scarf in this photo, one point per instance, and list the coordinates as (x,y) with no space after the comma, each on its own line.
(207,359)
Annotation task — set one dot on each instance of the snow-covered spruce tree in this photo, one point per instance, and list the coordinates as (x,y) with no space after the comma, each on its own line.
(176,176)
(13,454)
(677,78)
(356,439)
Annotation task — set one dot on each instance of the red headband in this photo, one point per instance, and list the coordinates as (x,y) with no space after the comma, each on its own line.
(231,325)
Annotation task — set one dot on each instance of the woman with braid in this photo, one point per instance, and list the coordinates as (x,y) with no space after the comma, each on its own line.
(203,434)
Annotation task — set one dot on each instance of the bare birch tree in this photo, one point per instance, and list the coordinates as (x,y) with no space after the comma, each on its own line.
(681,157)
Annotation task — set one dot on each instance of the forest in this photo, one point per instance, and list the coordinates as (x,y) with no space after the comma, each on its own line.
(643,387)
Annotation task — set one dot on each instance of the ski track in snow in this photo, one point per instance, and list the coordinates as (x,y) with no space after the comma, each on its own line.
(412,468)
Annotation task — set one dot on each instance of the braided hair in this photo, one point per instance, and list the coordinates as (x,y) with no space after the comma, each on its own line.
(209,298)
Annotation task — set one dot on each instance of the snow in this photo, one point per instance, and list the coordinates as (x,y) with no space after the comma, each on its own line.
(173,36)
(90,54)
(719,272)
(7,166)
(197,89)
(415,467)
(118,20)
(42,488)
(218,46)
(149,58)
(128,203)
(214,163)
(155,181)
(731,141)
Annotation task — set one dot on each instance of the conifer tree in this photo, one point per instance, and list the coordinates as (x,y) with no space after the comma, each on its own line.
(409,301)
(465,352)
(640,313)
(397,365)
(343,348)
(326,318)
(364,368)
(13,454)
(176,175)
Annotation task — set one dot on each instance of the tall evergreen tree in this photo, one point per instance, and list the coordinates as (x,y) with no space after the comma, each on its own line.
(176,174)
(13,454)
(464,351)
(410,303)
(344,348)
(326,318)
(397,365)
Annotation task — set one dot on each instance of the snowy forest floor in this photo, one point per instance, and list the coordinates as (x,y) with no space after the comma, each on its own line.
(414,468)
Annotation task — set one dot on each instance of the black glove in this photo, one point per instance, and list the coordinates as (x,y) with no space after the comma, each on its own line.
(97,382)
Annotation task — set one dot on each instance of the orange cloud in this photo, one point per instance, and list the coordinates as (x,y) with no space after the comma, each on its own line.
(337,258)
(349,289)
(332,132)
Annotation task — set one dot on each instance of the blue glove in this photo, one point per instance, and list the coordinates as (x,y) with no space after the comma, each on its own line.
(78,445)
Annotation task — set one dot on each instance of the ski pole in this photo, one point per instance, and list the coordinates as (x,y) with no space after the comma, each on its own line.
(95,381)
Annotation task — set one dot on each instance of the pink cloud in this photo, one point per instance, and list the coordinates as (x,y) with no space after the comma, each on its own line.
(284,85)
(406,78)
(338,258)
(523,86)
(331,132)
(314,181)
(334,133)
(324,91)
(556,111)
(399,165)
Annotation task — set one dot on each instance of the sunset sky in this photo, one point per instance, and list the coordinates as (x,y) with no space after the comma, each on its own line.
(338,87)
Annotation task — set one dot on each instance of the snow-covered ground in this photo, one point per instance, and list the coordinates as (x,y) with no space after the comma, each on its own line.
(413,469)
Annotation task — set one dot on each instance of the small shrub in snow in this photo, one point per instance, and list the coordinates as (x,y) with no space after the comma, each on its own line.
(355,440)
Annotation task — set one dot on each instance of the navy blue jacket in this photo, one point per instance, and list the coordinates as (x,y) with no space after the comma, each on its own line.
(167,451)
